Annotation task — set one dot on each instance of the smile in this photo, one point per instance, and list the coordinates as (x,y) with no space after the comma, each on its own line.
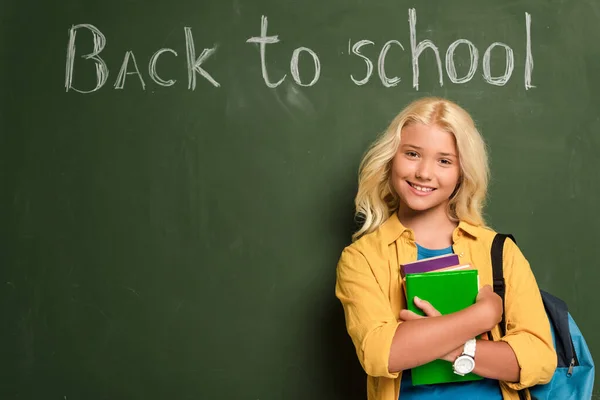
(423,189)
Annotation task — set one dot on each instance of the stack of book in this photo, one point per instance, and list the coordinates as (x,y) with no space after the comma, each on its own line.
(449,287)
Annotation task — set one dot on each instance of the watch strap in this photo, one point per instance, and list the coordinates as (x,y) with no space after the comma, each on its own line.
(469,348)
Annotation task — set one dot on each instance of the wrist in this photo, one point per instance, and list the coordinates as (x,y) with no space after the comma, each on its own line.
(453,355)
(465,363)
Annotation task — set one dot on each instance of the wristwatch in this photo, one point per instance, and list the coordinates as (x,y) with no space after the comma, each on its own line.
(465,363)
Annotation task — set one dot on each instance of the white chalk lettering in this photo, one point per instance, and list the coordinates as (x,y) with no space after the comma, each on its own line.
(152,68)
(101,68)
(120,83)
(294,66)
(510,64)
(416,50)
(387,82)
(356,50)
(529,56)
(385,66)
(451,67)
(194,64)
(263,40)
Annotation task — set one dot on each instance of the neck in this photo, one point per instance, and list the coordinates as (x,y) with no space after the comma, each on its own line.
(432,228)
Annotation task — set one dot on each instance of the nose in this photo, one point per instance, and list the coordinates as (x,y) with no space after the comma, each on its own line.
(424,170)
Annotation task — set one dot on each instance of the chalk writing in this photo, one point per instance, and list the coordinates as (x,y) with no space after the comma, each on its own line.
(196,64)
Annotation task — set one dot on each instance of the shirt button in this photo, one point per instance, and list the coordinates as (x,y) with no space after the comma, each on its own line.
(461,254)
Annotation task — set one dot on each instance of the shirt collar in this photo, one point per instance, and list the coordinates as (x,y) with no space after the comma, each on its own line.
(472,230)
(392,229)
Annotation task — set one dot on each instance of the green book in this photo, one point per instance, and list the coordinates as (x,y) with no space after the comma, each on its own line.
(448,292)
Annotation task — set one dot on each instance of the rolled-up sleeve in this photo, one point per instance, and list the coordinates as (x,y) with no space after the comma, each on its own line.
(369,318)
(527,326)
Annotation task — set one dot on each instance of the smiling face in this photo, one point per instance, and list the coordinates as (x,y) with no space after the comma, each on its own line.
(425,170)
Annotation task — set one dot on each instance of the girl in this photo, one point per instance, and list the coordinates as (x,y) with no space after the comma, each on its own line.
(421,190)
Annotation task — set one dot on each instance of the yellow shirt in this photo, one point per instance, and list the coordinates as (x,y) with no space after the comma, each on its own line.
(368,285)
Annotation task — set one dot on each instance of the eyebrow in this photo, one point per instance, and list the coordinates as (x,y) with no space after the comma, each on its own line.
(420,148)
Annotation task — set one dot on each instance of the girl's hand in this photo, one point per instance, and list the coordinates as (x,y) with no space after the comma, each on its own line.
(487,301)
(491,306)
(429,311)
(424,305)
(453,355)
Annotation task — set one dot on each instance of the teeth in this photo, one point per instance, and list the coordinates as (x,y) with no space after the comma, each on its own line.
(421,189)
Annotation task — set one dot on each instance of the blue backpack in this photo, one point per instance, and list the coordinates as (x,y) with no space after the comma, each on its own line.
(574,376)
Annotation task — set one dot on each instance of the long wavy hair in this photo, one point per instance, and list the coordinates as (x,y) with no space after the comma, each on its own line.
(376,199)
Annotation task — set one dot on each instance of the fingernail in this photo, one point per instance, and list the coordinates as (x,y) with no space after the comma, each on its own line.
(417,299)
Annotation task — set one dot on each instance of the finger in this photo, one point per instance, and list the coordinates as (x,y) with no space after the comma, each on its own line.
(427,308)
(407,315)
(486,288)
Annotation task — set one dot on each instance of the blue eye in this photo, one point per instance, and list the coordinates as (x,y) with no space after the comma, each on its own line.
(412,154)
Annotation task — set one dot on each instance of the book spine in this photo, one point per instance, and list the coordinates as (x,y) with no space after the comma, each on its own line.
(429,265)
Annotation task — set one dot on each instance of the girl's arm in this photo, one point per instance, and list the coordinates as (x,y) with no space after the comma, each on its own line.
(370,321)
(419,340)
(527,326)
(494,360)
(525,356)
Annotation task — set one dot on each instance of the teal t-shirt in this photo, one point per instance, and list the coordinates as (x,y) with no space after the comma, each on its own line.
(472,390)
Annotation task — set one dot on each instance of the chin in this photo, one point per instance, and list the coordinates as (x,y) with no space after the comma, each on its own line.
(419,209)
(422,207)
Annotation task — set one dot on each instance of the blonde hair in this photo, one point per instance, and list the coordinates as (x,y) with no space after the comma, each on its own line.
(376,199)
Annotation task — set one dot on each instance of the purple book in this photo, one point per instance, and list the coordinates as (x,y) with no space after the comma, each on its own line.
(429,264)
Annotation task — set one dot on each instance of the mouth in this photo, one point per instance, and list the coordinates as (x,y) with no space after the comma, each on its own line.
(420,188)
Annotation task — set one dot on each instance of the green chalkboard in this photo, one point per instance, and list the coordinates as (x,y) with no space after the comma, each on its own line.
(177,178)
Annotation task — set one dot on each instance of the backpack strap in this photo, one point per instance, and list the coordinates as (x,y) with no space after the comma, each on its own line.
(498,269)
(497,254)
(558,315)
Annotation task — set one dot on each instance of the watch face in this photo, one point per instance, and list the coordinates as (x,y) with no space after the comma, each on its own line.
(464,364)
